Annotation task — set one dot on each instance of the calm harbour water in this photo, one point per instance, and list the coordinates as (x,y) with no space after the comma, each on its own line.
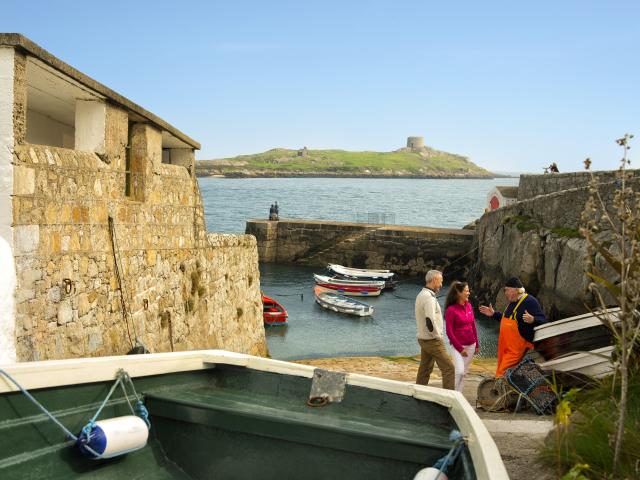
(313,331)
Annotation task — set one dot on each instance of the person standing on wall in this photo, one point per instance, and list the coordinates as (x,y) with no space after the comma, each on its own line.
(516,324)
(461,329)
(430,333)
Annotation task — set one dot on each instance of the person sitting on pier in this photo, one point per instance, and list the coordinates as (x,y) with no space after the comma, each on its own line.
(516,324)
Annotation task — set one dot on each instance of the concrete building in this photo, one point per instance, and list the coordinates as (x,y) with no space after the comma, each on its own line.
(102,224)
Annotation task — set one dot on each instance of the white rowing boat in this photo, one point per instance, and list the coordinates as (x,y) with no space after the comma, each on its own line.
(326,298)
(361,272)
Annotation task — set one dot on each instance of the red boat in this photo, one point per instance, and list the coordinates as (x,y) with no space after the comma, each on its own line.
(352,291)
(272,312)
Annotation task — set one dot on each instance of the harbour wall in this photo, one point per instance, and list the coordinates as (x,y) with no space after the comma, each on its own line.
(534,185)
(405,250)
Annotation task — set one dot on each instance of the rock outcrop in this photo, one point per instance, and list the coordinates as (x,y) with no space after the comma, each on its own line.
(538,240)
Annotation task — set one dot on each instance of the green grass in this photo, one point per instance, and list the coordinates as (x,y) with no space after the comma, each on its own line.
(345,162)
(587,440)
(523,223)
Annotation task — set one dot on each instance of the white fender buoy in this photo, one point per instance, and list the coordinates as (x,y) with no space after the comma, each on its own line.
(430,473)
(115,436)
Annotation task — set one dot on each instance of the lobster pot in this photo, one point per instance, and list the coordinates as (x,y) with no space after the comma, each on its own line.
(115,436)
(495,395)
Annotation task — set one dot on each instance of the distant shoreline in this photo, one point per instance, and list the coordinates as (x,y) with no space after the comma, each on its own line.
(326,175)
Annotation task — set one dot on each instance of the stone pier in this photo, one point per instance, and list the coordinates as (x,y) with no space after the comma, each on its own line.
(402,249)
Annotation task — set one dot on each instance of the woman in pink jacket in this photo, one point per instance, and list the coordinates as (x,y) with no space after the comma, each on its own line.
(461,329)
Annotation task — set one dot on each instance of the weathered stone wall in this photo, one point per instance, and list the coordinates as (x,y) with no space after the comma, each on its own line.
(405,250)
(538,241)
(157,276)
(561,208)
(533,185)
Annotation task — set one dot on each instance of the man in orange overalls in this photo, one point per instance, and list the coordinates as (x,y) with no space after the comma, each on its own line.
(516,324)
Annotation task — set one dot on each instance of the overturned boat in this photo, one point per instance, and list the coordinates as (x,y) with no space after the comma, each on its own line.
(217,414)
(580,344)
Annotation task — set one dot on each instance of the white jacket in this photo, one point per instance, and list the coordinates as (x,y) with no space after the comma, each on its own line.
(428,315)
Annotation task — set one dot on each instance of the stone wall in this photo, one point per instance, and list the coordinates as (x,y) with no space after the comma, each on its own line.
(405,250)
(538,241)
(533,185)
(99,271)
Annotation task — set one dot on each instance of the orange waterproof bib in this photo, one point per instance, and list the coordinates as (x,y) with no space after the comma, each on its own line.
(511,346)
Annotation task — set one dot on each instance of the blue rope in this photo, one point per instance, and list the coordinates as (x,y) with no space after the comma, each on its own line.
(121,377)
(445,462)
(85,434)
(40,406)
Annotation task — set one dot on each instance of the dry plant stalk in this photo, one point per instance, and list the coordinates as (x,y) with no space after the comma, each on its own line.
(613,232)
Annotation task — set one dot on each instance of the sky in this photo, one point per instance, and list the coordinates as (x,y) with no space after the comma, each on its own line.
(512,85)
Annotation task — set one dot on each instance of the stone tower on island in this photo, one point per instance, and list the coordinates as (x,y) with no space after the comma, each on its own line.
(415,143)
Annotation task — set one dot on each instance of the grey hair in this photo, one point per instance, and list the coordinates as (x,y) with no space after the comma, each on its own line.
(431,275)
(521,290)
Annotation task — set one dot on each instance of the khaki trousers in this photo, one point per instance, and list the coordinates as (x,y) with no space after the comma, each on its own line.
(434,351)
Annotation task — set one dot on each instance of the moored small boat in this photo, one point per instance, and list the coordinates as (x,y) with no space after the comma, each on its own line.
(350,289)
(346,273)
(218,414)
(330,300)
(348,281)
(272,312)
(360,272)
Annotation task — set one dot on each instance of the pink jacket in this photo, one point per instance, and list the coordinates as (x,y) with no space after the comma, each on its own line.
(461,326)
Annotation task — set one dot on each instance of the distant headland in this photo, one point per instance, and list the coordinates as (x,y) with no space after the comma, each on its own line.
(416,160)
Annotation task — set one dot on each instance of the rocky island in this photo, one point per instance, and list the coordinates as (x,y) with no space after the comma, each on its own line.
(413,161)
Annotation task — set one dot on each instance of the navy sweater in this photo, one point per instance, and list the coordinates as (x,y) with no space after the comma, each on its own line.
(531,305)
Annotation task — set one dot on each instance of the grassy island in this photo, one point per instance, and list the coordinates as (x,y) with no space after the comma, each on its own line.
(281,162)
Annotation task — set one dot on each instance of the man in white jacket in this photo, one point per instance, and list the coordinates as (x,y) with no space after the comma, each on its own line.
(431,333)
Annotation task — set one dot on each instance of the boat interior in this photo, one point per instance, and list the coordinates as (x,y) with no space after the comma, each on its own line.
(231,422)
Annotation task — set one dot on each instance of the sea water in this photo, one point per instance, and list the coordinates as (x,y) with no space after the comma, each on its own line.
(314,332)
(311,330)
